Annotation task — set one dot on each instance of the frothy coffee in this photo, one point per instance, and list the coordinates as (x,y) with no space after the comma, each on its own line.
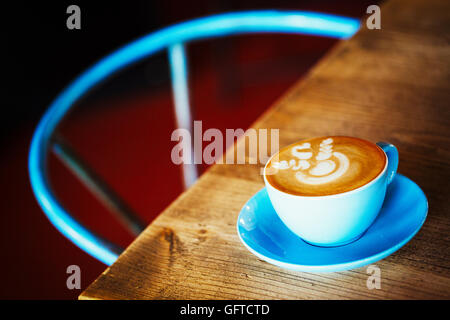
(325,166)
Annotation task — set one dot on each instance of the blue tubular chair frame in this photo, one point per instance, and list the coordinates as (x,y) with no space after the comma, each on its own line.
(173,38)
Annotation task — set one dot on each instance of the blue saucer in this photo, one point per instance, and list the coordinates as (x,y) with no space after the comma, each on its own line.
(403,213)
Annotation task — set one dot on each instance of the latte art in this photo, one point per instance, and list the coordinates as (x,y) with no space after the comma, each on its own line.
(325,170)
(324,166)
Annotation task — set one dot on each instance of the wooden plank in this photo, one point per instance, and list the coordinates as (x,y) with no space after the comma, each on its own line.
(390,84)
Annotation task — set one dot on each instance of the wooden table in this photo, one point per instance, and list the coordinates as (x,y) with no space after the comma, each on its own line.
(390,84)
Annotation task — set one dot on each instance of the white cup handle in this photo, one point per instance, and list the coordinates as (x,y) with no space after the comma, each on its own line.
(392,155)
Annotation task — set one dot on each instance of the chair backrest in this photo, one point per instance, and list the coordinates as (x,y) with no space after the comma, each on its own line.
(173,38)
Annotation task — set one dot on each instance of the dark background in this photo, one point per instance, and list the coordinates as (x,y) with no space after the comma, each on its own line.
(122,129)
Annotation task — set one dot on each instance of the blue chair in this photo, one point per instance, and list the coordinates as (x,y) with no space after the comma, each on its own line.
(173,38)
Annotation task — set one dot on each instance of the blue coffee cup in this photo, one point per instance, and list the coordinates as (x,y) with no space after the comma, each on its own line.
(338,219)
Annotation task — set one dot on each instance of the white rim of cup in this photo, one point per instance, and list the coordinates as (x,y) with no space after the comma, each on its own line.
(329,195)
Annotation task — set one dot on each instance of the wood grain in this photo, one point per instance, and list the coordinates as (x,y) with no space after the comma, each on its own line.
(390,84)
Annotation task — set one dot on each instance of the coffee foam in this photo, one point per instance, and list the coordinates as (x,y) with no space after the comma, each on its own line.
(325,166)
